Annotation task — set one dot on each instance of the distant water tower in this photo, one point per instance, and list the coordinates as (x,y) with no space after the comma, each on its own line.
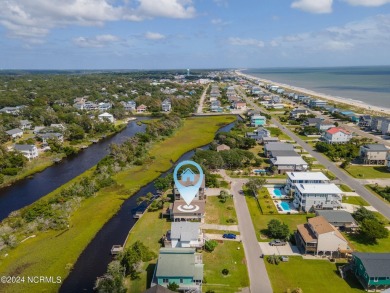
(188,72)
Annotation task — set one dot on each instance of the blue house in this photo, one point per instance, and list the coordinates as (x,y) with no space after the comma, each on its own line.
(181,266)
(188,175)
(258,120)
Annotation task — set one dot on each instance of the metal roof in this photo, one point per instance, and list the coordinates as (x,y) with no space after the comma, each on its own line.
(376,264)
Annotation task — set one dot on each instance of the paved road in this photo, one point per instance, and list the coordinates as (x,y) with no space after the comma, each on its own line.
(259,281)
(201,101)
(378,204)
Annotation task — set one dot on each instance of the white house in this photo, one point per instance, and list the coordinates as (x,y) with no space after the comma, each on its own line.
(129,106)
(317,196)
(51,135)
(185,234)
(25,124)
(15,133)
(166,105)
(29,151)
(294,178)
(106,117)
(336,135)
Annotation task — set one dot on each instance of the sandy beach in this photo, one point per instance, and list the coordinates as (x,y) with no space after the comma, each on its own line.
(366,108)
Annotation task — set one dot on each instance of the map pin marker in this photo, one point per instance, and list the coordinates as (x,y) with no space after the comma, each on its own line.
(189,192)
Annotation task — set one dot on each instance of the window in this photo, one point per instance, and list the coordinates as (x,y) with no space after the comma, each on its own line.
(165,281)
(376,279)
(181,281)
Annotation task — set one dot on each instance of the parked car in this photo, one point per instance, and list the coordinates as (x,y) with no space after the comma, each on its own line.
(229,236)
(241,192)
(277,242)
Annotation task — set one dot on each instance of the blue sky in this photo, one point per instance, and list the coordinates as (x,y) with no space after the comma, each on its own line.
(159,34)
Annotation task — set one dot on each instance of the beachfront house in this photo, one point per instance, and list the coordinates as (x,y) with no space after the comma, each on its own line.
(317,104)
(29,151)
(372,270)
(364,121)
(309,197)
(185,235)
(258,120)
(285,164)
(336,135)
(376,123)
(319,237)
(182,266)
(15,133)
(340,219)
(374,154)
(294,178)
(106,117)
(385,128)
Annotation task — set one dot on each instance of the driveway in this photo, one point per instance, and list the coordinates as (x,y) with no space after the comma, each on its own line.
(279,250)
(219,227)
(219,237)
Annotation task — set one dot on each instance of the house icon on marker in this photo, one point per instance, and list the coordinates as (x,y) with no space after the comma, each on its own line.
(188,175)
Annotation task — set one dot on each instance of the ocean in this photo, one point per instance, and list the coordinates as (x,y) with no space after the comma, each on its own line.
(368,84)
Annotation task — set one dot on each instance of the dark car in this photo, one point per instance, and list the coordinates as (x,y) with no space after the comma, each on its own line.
(277,242)
(229,236)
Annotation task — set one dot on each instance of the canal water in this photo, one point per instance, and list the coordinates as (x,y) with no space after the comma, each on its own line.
(94,260)
(28,190)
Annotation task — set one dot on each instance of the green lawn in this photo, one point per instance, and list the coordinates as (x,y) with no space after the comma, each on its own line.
(357,200)
(266,202)
(149,230)
(312,276)
(226,255)
(53,252)
(368,172)
(345,188)
(218,212)
(260,221)
(282,136)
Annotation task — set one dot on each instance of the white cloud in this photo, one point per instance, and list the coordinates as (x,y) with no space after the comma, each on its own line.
(313,6)
(367,2)
(34,19)
(154,36)
(245,42)
(369,33)
(95,42)
(167,8)
(219,22)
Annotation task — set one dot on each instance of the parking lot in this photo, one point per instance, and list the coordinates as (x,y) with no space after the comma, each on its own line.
(287,249)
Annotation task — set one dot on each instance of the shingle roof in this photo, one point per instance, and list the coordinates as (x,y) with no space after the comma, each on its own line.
(376,264)
(185,231)
(279,146)
(288,153)
(320,225)
(14,131)
(376,147)
(23,147)
(158,289)
(336,216)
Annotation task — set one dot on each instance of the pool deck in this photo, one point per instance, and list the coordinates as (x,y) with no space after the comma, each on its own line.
(281,210)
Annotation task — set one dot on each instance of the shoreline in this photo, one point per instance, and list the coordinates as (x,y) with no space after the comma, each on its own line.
(364,107)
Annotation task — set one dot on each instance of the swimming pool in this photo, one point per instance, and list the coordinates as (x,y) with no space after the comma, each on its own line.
(277,192)
(259,171)
(285,206)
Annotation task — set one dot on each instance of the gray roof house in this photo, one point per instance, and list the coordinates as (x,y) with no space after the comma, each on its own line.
(374,154)
(289,164)
(339,218)
(180,265)
(14,133)
(158,289)
(312,121)
(51,135)
(185,235)
(29,151)
(25,124)
(277,146)
(277,153)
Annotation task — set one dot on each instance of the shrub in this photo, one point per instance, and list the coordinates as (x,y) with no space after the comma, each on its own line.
(10,171)
(225,272)
(210,245)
